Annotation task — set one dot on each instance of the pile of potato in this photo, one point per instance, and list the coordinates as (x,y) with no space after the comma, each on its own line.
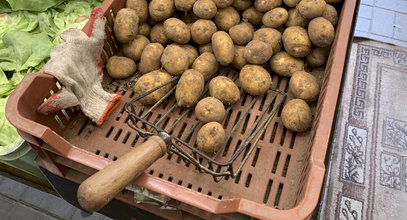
(194,38)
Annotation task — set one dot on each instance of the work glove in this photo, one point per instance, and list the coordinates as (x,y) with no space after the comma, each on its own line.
(76,64)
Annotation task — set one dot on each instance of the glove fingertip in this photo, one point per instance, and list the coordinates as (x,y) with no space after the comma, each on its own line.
(111,106)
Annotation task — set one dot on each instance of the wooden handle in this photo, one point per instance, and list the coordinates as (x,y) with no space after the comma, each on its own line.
(96,191)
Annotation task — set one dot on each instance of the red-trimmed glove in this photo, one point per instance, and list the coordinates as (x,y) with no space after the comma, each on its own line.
(77,65)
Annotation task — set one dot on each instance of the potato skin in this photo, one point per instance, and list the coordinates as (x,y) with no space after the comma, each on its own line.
(206,64)
(175,60)
(226,18)
(157,34)
(275,17)
(321,32)
(151,58)
(311,8)
(285,65)
(239,61)
(253,16)
(160,10)
(210,138)
(205,9)
(296,41)
(177,31)
(254,79)
(189,88)
(184,5)
(296,19)
(291,3)
(202,31)
(331,14)
(126,25)
(242,4)
(141,8)
(223,3)
(318,56)
(296,115)
(134,48)
(119,67)
(242,33)
(266,5)
(223,47)
(270,36)
(205,48)
(191,52)
(257,52)
(210,109)
(144,29)
(224,89)
(148,82)
(304,86)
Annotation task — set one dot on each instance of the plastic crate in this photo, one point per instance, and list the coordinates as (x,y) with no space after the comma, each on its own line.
(281,180)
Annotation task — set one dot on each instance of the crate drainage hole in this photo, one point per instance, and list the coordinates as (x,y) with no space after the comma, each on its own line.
(280,190)
(276,162)
(256,155)
(97,152)
(287,162)
(267,193)
(109,132)
(273,133)
(151,172)
(248,179)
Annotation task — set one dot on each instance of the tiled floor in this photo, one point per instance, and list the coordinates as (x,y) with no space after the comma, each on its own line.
(383,20)
(18,201)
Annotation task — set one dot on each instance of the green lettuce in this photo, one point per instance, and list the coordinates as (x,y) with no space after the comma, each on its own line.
(26,39)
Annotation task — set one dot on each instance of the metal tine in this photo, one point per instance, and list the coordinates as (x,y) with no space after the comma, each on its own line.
(159,102)
(178,120)
(265,125)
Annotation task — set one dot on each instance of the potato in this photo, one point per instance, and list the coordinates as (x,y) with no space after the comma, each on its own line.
(210,138)
(318,56)
(285,65)
(270,36)
(134,48)
(242,4)
(160,10)
(275,18)
(253,16)
(191,52)
(177,31)
(184,5)
(296,41)
(291,3)
(157,34)
(242,33)
(304,86)
(257,52)
(239,61)
(119,67)
(311,8)
(126,25)
(148,82)
(189,88)
(266,5)
(296,115)
(210,109)
(254,79)
(144,29)
(223,3)
(226,18)
(331,14)
(206,64)
(224,89)
(321,32)
(205,48)
(296,19)
(333,1)
(151,58)
(202,31)
(141,8)
(175,59)
(205,9)
(223,48)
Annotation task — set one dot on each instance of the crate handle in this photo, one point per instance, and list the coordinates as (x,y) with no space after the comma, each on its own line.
(100,188)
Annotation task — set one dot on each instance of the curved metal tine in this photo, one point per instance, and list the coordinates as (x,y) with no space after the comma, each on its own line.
(159,102)
(178,120)
(165,116)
